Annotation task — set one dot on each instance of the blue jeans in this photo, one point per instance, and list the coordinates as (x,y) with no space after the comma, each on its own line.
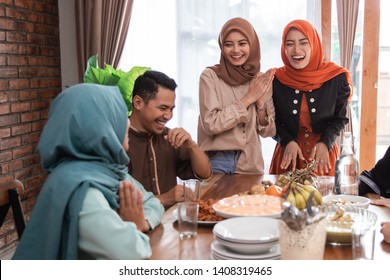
(223,162)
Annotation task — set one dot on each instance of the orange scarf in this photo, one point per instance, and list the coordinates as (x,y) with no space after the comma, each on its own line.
(317,71)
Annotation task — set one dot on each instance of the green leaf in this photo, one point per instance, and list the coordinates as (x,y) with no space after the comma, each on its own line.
(89,77)
(126,84)
(117,73)
(109,69)
(138,71)
(111,76)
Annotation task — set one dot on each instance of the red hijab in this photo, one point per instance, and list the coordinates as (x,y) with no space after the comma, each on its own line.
(238,75)
(317,71)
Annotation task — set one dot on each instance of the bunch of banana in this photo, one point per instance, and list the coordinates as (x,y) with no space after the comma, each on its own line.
(298,175)
(298,194)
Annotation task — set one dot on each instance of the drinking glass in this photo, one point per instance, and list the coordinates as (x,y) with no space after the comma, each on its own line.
(325,184)
(188,219)
(305,244)
(191,190)
(363,238)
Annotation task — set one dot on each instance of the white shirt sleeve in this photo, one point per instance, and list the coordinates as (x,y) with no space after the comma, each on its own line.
(104,235)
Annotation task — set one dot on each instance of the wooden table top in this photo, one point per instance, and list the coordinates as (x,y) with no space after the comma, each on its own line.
(166,244)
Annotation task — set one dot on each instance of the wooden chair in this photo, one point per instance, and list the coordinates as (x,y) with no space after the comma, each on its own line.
(9,197)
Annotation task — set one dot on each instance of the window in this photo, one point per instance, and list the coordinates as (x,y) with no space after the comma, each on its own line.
(355,67)
(183,44)
(383,110)
(383,101)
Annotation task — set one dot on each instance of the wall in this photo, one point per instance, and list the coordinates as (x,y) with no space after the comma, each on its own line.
(30,77)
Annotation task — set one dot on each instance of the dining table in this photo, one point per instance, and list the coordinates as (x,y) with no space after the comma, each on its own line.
(167,245)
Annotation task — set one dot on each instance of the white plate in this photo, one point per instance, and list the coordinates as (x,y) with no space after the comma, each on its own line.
(247,248)
(217,257)
(204,223)
(249,205)
(222,252)
(248,230)
(346,200)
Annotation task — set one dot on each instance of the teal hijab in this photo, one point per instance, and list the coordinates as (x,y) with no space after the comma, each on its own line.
(80,147)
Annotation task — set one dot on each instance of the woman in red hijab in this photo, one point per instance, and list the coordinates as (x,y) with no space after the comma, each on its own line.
(310,97)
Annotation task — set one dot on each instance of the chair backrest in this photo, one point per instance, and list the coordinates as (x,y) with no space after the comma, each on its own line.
(9,197)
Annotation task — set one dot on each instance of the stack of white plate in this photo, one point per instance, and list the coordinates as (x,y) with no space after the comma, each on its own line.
(246,238)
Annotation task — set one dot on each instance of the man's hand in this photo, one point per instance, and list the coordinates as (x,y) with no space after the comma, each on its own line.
(131,206)
(176,194)
(178,137)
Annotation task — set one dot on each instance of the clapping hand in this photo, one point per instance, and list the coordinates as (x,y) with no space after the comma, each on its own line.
(259,88)
(131,206)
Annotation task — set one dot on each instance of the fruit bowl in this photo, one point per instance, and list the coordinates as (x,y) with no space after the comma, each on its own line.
(346,201)
(339,230)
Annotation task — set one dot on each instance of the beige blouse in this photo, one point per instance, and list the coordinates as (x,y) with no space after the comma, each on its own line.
(225,124)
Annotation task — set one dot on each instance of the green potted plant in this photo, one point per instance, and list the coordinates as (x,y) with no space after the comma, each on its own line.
(111,76)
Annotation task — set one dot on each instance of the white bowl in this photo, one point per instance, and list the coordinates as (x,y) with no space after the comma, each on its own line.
(346,201)
(247,248)
(340,232)
(221,252)
(247,230)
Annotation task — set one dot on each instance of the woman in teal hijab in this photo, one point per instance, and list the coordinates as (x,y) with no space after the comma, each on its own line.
(89,207)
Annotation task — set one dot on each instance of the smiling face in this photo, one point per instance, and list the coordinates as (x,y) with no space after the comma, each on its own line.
(236,48)
(297,49)
(153,116)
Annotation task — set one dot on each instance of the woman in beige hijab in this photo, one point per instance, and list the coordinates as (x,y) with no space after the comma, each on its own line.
(235,102)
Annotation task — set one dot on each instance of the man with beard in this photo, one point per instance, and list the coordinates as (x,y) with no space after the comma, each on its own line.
(159,154)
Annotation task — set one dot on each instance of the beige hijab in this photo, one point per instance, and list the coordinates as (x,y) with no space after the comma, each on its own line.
(237,75)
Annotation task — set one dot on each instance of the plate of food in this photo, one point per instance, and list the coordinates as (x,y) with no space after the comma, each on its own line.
(207,215)
(346,201)
(249,205)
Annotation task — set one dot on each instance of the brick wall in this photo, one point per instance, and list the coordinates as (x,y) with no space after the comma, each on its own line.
(30,77)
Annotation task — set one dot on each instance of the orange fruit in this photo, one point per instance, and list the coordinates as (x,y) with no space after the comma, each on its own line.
(274,190)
